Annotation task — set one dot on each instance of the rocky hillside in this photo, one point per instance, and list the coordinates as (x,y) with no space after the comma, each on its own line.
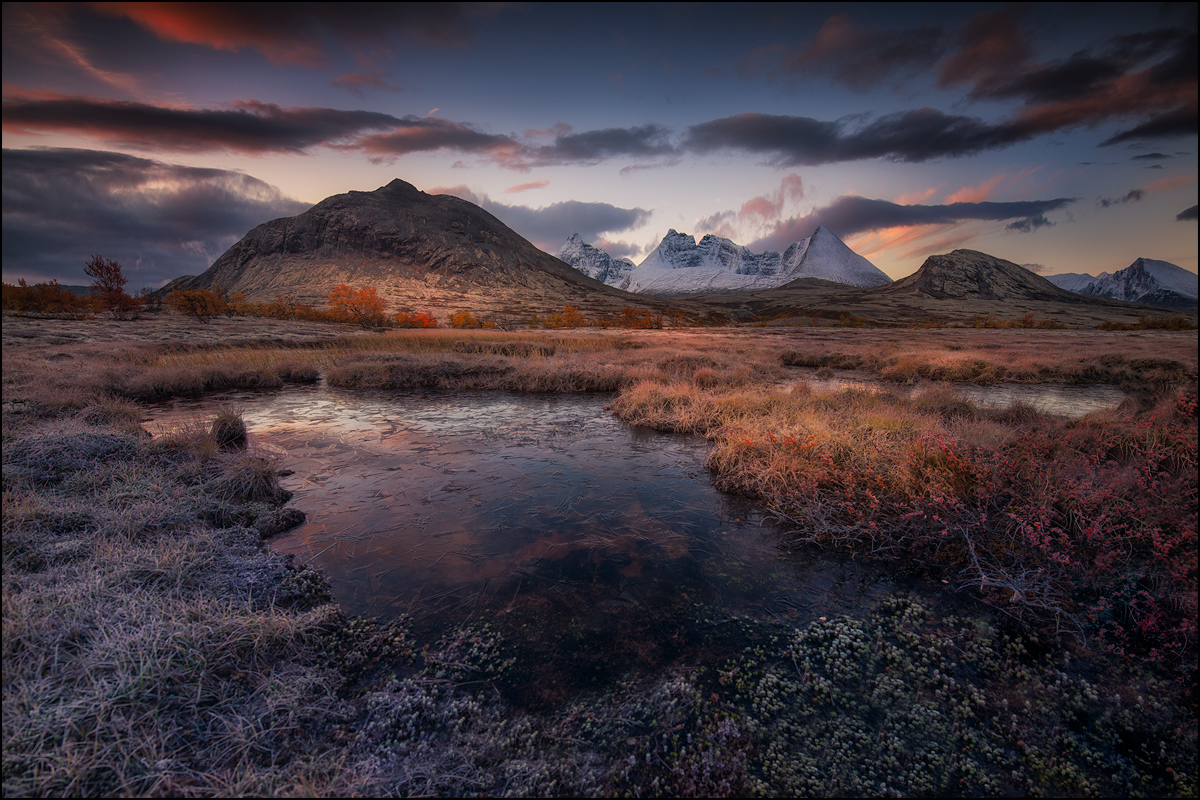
(418,250)
(971,275)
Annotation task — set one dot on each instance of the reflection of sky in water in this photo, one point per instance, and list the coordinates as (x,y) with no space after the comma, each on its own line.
(441,504)
(1061,400)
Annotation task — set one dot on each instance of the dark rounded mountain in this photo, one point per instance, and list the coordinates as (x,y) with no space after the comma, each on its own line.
(415,248)
(971,275)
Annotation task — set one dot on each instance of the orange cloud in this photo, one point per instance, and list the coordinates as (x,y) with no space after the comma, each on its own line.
(525,187)
(919,196)
(977,194)
(1169,183)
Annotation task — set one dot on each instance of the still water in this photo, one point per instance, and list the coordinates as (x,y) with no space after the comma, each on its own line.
(440,506)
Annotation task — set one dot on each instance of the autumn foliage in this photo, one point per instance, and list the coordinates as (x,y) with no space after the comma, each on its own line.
(360,306)
(108,287)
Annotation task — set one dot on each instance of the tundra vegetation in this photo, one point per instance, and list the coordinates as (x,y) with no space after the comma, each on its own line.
(152,646)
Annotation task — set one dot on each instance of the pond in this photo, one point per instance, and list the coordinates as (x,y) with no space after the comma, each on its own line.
(441,506)
(1063,400)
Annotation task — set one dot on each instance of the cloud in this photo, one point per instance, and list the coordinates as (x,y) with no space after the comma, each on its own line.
(158,220)
(859,58)
(591,147)
(851,214)
(423,134)
(617,249)
(1029,224)
(1132,196)
(976,194)
(525,187)
(988,44)
(250,127)
(299,35)
(1040,269)
(1188,214)
(1151,157)
(913,136)
(550,226)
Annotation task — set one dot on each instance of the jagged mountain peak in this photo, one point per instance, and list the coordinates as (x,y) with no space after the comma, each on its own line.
(680,265)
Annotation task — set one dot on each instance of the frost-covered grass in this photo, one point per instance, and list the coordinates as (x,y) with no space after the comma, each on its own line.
(152,647)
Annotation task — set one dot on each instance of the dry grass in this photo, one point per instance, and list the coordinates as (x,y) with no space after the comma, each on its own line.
(151,647)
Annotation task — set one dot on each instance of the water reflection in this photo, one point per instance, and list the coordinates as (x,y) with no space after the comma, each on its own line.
(444,505)
(1072,402)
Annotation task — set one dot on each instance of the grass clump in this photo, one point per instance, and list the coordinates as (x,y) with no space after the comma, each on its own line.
(147,651)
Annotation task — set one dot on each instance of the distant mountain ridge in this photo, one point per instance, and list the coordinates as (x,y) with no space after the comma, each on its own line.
(1146,281)
(680,265)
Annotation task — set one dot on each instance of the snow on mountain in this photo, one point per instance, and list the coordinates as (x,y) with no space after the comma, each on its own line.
(680,265)
(1072,281)
(595,263)
(1146,281)
(824,255)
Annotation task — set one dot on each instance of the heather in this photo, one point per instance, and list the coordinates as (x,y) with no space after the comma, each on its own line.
(152,646)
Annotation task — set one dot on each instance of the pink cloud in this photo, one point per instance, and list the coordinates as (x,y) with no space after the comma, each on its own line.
(525,187)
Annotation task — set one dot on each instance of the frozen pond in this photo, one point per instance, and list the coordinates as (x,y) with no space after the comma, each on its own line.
(441,505)
(1060,400)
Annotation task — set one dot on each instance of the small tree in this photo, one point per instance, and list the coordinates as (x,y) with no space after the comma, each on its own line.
(108,288)
(199,303)
(363,306)
(464,319)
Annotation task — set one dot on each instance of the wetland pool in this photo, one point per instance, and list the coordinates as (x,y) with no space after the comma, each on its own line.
(545,512)
(443,506)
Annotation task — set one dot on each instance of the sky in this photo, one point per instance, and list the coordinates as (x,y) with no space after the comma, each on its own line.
(1058,136)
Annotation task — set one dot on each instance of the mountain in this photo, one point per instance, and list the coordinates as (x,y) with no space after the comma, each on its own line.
(682,266)
(971,275)
(823,255)
(595,263)
(420,251)
(1146,281)
(1071,281)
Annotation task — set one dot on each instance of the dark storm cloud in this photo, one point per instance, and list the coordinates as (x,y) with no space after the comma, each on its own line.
(423,134)
(1181,121)
(849,215)
(552,225)
(1186,214)
(251,127)
(589,147)
(1029,224)
(158,220)
(913,136)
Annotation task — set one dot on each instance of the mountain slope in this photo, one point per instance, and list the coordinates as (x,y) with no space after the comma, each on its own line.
(1150,282)
(971,275)
(823,255)
(416,249)
(595,263)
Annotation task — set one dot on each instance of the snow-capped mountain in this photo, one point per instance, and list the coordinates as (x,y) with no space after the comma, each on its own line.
(1071,281)
(595,263)
(680,265)
(1146,281)
(824,255)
